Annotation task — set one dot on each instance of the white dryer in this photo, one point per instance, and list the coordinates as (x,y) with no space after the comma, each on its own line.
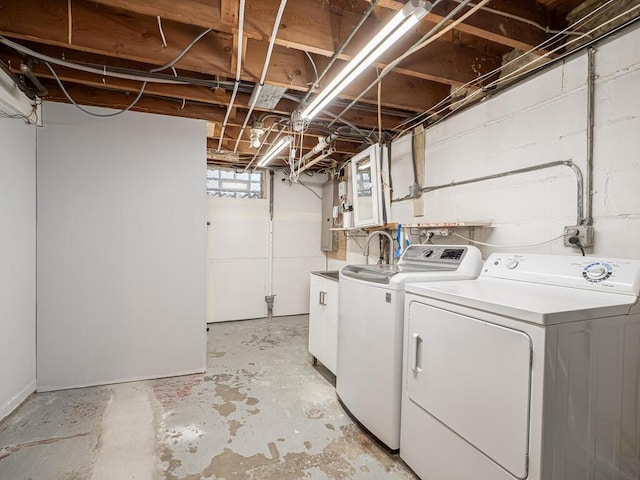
(370,323)
(531,371)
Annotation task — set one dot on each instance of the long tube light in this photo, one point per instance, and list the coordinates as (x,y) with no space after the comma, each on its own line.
(275,150)
(400,24)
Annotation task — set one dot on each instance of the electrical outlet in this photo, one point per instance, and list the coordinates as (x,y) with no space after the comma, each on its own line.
(443,232)
(584,233)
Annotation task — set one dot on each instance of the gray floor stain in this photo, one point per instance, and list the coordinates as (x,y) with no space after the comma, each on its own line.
(260,412)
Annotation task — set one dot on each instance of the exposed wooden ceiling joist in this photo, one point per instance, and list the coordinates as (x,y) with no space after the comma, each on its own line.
(126,34)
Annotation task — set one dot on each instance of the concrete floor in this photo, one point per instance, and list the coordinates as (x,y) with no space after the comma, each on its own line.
(261,411)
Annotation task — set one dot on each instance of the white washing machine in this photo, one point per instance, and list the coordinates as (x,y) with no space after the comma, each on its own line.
(370,323)
(531,371)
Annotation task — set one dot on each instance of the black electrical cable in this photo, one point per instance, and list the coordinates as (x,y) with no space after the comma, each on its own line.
(575,241)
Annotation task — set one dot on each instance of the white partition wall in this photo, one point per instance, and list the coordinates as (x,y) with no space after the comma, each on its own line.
(121,247)
(17,263)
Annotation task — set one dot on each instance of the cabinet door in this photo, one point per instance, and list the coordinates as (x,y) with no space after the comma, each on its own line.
(330,350)
(316,316)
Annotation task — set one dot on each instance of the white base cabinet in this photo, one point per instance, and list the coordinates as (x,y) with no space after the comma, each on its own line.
(323,320)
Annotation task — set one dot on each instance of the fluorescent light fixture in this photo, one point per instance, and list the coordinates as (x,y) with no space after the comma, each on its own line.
(275,150)
(400,24)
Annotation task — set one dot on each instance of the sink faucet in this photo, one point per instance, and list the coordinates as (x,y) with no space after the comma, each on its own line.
(373,234)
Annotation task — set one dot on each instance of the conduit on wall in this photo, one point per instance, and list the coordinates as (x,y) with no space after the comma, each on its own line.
(584,200)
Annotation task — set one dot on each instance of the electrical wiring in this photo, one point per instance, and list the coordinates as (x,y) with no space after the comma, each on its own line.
(313,64)
(520,19)
(69,23)
(445,106)
(83,68)
(308,188)
(524,71)
(546,54)
(88,112)
(164,39)
(26,118)
(427,115)
(182,53)
(507,246)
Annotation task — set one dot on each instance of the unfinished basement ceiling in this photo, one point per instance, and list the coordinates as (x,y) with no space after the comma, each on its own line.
(138,36)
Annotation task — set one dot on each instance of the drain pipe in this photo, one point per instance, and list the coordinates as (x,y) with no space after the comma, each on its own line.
(267,60)
(591,81)
(238,72)
(269,298)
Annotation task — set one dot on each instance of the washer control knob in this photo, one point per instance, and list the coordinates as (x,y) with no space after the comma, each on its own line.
(511,264)
(596,272)
(427,253)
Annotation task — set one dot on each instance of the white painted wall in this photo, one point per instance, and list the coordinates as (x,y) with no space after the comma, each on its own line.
(18,263)
(121,247)
(237,246)
(539,121)
(296,226)
(238,243)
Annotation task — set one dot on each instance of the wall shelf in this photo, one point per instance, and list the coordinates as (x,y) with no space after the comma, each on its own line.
(447,225)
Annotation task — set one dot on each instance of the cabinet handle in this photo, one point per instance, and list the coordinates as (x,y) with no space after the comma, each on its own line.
(417,340)
(324,298)
(320,298)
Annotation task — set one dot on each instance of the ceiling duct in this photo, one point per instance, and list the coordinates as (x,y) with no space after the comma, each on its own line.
(213,154)
(266,97)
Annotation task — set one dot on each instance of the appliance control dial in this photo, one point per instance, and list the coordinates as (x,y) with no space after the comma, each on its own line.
(427,253)
(597,272)
(511,264)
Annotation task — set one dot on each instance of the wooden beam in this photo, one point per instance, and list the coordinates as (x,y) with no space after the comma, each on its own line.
(495,28)
(311,27)
(229,12)
(192,93)
(137,39)
(346,147)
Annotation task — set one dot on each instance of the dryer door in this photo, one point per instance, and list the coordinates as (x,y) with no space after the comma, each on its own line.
(475,378)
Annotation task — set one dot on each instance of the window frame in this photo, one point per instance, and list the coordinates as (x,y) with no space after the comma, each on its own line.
(230,175)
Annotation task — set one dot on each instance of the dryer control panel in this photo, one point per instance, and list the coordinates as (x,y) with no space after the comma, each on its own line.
(592,273)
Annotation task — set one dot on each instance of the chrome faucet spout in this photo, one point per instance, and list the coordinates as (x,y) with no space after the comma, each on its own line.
(368,240)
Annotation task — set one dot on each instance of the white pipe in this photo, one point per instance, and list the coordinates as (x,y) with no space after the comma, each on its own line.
(320,157)
(267,60)
(323,143)
(238,71)
(269,296)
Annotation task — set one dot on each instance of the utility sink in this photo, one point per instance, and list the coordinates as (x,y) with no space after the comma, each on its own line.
(331,274)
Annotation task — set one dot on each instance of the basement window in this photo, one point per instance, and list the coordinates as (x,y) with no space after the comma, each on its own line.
(225,182)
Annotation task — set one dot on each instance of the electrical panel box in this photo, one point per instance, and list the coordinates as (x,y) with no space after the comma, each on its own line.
(329,238)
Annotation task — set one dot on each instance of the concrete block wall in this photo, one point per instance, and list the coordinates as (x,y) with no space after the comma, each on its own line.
(541,120)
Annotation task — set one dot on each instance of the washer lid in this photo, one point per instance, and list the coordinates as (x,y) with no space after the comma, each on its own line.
(529,302)
(384,273)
